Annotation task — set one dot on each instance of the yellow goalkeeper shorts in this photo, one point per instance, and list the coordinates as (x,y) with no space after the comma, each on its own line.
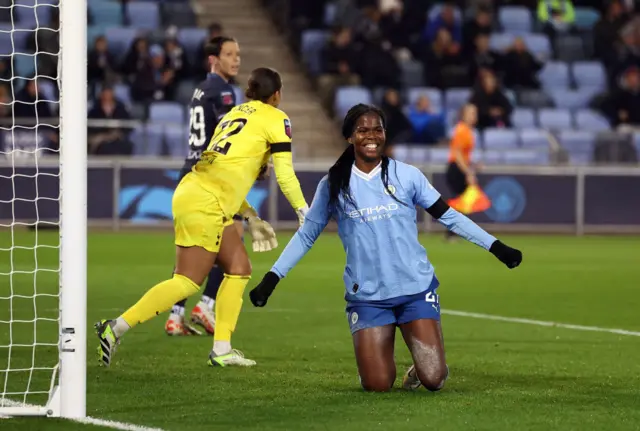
(198,219)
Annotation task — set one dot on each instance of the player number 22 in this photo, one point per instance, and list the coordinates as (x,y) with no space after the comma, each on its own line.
(226,130)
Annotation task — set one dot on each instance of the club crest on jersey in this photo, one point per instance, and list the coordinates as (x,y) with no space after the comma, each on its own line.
(287,128)
(227,98)
(390,190)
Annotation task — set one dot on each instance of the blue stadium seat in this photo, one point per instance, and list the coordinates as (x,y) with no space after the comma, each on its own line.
(492,157)
(47,90)
(106,13)
(433,94)
(438,156)
(554,74)
(500,41)
(575,141)
(330,10)
(556,119)
(412,73)
(455,98)
(175,137)
(120,40)
(311,46)
(178,14)
(500,139)
(526,157)
(24,65)
(401,153)
(420,154)
(137,137)
(143,14)
(185,91)
(346,97)
(534,138)
(123,93)
(147,140)
(535,99)
(586,18)
(515,19)
(571,99)
(590,74)
(19,39)
(523,118)
(191,39)
(166,112)
(587,119)
(570,48)
(239,94)
(538,44)
(636,142)
(92,34)
(27,15)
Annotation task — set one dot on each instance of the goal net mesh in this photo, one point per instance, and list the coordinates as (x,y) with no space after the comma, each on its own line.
(29,200)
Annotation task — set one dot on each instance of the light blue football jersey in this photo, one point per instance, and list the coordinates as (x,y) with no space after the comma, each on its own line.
(380,234)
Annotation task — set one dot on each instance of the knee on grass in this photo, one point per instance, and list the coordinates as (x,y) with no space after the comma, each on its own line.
(379,383)
(433,377)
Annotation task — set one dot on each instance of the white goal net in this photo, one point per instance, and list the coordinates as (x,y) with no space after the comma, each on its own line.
(42,207)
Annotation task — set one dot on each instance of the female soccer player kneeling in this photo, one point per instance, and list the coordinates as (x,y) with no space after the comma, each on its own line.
(389,280)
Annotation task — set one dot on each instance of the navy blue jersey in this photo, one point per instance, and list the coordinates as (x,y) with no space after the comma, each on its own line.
(211,100)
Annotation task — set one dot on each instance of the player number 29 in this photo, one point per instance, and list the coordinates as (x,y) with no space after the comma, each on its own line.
(197,135)
(226,129)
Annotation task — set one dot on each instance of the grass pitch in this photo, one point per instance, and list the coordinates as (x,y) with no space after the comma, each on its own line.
(504,376)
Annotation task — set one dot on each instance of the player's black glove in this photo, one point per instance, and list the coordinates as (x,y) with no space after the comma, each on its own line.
(509,256)
(261,293)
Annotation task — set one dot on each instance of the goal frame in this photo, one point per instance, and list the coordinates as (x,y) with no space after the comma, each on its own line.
(67,399)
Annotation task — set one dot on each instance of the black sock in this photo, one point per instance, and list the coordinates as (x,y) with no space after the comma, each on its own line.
(216,275)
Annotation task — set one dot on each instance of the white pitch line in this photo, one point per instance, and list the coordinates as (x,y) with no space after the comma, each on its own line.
(540,323)
(88,420)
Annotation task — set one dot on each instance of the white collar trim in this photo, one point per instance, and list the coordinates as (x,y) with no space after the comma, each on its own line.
(370,175)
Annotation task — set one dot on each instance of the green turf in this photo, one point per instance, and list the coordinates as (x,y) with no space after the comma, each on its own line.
(504,376)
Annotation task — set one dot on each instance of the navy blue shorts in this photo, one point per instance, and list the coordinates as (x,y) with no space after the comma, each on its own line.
(395,311)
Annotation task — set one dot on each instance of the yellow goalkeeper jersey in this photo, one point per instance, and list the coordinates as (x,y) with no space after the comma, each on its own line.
(241,145)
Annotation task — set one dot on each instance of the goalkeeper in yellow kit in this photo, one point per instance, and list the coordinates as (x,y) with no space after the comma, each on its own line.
(204,204)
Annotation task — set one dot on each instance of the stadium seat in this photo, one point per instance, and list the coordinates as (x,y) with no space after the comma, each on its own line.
(554,74)
(526,157)
(24,65)
(534,138)
(492,157)
(433,94)
(138,138)
(27,15)
(577,140)
(636,142)
(455,98)
(587,119)
(175,137)
(501,41)
(420,155)
(143,14)
(123,93)
(311,46)
(346,97)
(534,99)
(571,99)
(47,90)
(166,112)
(585,18)
(523,118)
(590,74)
(330,10)
(556,119)
(401,153)
(191,39)
(19,39)
(499,139)
(185,91)
(570,48)
(178,14)
(437,156)
(538,44)
(515,19)
(120,39)
(92,34)
(147,140)
(239,94)
(106,13)
(412,73)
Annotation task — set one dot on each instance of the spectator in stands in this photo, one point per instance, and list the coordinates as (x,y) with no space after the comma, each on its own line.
(494,108)
(109,140)
(339,65)
(137,57)
(101,64)
(428,125)
(378,67)
(215,30)
(521,67)
(398,126)
(627,52)
(481,24)
(557,16)
(606,32)
(29,110)
(45,42)
(626,100)
(155,81)
(484,58)
(446,19)
(175,55)
(444,64)
(368,26)
(395,24)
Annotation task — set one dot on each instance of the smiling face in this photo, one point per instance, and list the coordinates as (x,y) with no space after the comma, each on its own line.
(368,138)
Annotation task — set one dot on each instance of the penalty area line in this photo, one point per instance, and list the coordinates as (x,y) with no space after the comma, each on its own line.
(123,426)
(540,323)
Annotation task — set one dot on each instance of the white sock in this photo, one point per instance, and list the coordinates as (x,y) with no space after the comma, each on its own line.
(177,310)
(208,302)
(221,347)
(120,327)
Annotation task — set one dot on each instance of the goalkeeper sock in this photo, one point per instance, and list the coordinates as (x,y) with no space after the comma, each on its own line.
(159,299)
(228,306)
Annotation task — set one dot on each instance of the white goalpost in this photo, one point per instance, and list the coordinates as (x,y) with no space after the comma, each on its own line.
(43,271)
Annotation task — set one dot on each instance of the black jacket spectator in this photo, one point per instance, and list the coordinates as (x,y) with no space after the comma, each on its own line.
(109,140)
(398,125)
(444,65)
(379,67)
(521,67)
(154,81)
(340,56)
(626,100)
(494,108)
(480,25)
(484,58)
(176,59)
(101,64)
(137,57)
(606,31)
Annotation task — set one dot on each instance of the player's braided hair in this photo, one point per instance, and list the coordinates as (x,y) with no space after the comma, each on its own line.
(340,172)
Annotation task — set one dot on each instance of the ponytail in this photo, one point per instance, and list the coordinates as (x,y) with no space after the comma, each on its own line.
(339,176)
